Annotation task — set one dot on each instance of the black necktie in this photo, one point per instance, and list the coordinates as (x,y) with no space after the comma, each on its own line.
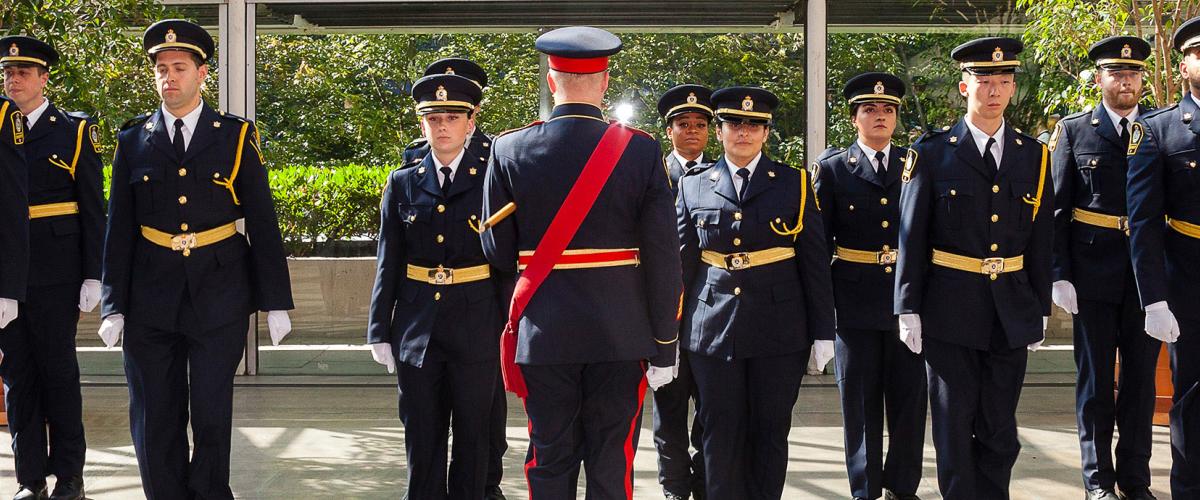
(988,159)
(178,140)
(744,173)
(880,168)
(1125,131)
(689,164)
(445,179)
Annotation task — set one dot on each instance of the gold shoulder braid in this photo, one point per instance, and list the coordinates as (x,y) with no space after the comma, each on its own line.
(70,168)
(910,163)
(237,165)
(1036,199)
(795,232)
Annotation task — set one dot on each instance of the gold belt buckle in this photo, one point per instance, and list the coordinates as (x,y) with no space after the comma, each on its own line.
(993,266)
(183,243)
(736,261)
(441,276)
(886,257)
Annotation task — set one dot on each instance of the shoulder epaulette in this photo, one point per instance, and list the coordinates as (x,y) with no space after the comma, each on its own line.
(511,130)
(829,153)
(639,131)
(416,143)
(231,117)
(1158,111)
(136,121)
(1075,116)
(79,115)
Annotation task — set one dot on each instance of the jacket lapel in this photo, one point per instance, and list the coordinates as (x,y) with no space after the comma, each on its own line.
(1013,149)
(895,165)
(720,182)
(463,180)
(861,166)
(204,135)
(1191,113)
(1105,127)
(428,174)
(966,150)
(158,134)
(762,179)
(44,125)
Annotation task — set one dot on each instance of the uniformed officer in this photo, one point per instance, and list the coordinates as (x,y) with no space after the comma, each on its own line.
(859,190)
(687,111)
(14,212)
(1164,223)
(478,146)
(757,297)
(41,373)
(440,317)
(180,276)
(1091,250)
(604,305)
(973,281)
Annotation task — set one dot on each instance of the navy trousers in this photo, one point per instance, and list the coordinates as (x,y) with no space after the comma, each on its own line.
(1185,410)
(679,471)
(973,396)
(41,384)
(877,374)
(583,413)
(746,408)
(1102,332)
(497,429)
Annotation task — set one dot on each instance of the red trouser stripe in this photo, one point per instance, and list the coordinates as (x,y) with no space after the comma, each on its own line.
(630,446)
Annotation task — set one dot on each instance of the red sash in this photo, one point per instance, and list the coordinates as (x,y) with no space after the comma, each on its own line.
(550,249)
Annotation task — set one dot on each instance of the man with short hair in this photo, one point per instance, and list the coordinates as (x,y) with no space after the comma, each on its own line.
(973,281)
(40,370)
(1093,276)
(180,278)
(1163,197)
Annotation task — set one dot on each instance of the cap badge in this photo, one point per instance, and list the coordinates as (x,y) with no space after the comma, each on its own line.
(879,87)
(1126,51)
(171,37)
(449,70)
(747,104)
(998,55)
(691,98)
(441,93)
(13,50)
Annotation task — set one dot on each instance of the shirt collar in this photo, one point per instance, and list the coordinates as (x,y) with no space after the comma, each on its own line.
(577,110)
(981,138)
(683,161)
(453,163)
(1116,119)
(33,116)
(887,151)
(189,121)
(733,168)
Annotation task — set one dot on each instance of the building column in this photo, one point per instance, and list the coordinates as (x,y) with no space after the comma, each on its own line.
(815,46)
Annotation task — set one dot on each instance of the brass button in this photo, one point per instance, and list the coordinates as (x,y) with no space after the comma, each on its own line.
(183,172)
(995,218)
(216,175)
(437,295)
(441,208)
(778,220)
(737,290)
(995,247)
(884,224)
(473,217)
(737,216)
(183,200)
(183,227)
(883,201)
(145,178)
(440,238)
(953,193)
(995,188)
(888,269)
(737,242)
(851,208)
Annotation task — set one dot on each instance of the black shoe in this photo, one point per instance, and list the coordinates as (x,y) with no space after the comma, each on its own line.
(1141,493)
(890,495)
(1100,494)
(31,492)
(671,495)
(493,493)
(68,489)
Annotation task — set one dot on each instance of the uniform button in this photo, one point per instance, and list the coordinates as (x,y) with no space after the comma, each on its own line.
(437,295)
(737,216)
(440,238)
(994,247)
(883,201)
(441,208)
(737,290)
(216,175)
(145,178)
(995,218)
(851,208)
(183,200)
(995,188)
(884,224)
(183,172)
(737,242)
(953,193)
(183,227)
(888,269)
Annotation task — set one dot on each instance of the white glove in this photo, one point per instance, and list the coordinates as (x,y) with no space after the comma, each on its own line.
(382,353)
(910,331)
(659,376)
(822,353)
(8,311)
(1160,322)
(279,324)
(675,369)
(89,295)
(1045,323)
(1063,295)
(111,329)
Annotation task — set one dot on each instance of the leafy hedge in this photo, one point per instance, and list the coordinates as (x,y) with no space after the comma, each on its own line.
(318,206)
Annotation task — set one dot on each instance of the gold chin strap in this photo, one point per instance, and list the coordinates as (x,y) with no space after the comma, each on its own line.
(491,222)
(795,232)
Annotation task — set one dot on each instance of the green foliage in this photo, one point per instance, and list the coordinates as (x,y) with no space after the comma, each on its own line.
(319,204)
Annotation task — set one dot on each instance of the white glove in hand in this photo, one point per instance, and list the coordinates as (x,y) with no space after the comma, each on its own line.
(675,369)
(1161,323)
(822,353)
(382,353)
(910,331)
(1045,323)
(1063,295)
(89,295)
(8,311)
(659,376)
(111,329)
(279,324)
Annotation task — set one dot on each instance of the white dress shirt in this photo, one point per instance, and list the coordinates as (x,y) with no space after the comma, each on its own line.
(1116,119)
(32,117)
(887,151)
(189,124)
(437,165)
(981,140)
(683,161)
(733,168)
